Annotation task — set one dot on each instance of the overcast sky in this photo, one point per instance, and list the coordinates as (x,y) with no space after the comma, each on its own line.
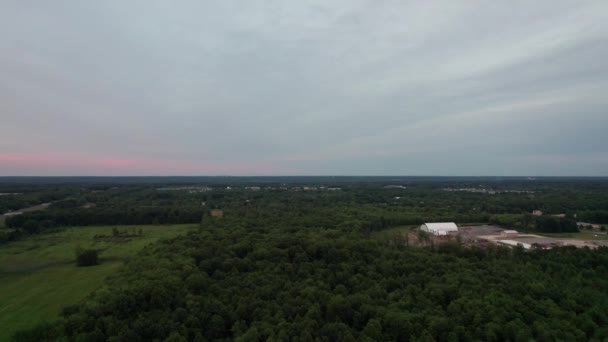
(119,87)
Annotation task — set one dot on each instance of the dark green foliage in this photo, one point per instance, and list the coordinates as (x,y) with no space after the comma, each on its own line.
(594,216)
(552,224)
(252,280)
(306,265)
(133,201)
(42,332)
(31,226)
(542,224)
(11,235)
(69,202)
(87,257)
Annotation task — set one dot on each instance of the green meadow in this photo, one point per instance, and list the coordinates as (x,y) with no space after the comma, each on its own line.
(582,235)
(39,276)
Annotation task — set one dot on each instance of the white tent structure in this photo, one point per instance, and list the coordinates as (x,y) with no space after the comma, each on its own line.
(439,228)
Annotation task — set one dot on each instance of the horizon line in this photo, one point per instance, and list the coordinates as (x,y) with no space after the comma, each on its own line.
(319,175)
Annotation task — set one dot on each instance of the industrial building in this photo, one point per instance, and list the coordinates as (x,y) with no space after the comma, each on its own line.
(509,233)
(439,228)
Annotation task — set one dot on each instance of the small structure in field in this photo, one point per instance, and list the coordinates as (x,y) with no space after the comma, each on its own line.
(217,213)
(439,228)
(537,213)
(509,233)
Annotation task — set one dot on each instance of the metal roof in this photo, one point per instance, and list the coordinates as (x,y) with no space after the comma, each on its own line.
(516,243)
(446,226)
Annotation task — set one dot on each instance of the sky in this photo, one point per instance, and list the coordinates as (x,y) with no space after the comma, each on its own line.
(345,87)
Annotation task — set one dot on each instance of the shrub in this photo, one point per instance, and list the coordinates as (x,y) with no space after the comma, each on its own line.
(86,257)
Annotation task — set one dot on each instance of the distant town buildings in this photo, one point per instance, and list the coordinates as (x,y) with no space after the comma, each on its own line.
(395,187)
(200,189)
(487,191)
(189,189)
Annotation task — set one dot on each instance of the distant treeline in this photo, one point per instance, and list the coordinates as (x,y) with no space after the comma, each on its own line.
(595,216)
(29,199)
(36,222)
(541,224)
(41,221)
(370,220)
(367,205)
(33,222)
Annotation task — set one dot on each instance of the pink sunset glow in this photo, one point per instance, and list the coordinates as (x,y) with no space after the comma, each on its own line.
(26,164)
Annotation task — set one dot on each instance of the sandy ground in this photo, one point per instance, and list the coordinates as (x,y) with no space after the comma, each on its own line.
(546,241)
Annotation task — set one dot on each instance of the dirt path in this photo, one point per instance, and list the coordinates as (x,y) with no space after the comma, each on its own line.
(42,206)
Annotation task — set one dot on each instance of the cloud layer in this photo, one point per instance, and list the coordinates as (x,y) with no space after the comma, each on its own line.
(315,87)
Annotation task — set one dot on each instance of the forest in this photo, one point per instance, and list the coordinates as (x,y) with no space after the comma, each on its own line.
(288,264)
(366,200)
(255,280)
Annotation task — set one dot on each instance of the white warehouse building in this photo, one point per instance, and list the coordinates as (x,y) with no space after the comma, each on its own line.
(439,228)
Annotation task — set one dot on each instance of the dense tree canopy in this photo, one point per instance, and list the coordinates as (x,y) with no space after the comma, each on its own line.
(292,261)
(367,203)
(262,278)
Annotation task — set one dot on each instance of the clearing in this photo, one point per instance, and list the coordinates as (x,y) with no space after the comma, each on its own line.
(582,235)
(42,206)
(38,275)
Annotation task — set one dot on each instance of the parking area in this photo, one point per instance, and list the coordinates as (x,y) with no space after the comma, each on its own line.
(472,234)
(490,233)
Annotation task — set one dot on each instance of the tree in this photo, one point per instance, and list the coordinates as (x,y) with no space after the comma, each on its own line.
(373,329)
(175,337)
(86,257)
(31,226)
(423,236)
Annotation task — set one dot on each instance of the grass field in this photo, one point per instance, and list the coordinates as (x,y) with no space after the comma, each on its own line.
(582,235)
(38,275)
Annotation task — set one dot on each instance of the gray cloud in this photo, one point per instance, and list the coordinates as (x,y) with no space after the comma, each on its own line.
(352,87)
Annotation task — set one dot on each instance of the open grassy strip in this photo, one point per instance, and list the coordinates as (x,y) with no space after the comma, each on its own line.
(582,235)
(38,275)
